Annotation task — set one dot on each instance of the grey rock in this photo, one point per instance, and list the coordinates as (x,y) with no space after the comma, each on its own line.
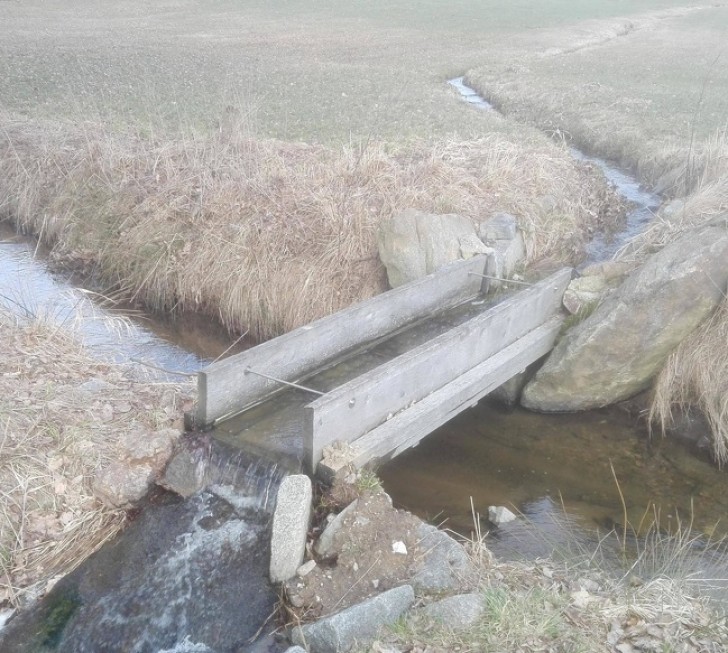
(306,568)
(121,485)
(153,448)
(584,292)
(615,352)
(291,520)
(458,612)
(295,649)
(502,226)
(413,244)
(185,473)
(357,625)
(325,545)
(471,245)
(445,566)
(500,515)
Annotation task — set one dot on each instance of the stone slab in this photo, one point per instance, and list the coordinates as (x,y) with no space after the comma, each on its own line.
(291,520)
(357,625)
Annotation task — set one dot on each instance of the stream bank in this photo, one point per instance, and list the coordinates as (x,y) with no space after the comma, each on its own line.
(516,471)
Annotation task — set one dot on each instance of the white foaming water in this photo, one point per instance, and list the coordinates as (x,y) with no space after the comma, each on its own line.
(174,578)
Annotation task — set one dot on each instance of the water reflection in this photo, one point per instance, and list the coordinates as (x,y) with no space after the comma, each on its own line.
(548,465)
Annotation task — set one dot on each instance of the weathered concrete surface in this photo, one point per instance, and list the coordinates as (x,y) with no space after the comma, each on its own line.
(457,612)
(445,567)
(356,625)
(291,519)
(615,352)
(412,244)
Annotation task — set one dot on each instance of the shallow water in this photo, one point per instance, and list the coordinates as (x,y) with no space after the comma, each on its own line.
(557,469)
(642,203)
(29,289)
(545,465)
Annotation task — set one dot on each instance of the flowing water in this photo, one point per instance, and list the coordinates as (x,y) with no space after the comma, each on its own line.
(194,571)
(563,472)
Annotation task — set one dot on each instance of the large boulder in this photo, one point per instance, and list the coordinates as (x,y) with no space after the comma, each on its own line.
(413,244)
(615,352)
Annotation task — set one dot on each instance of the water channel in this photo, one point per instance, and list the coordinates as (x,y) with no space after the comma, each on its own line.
(557,470)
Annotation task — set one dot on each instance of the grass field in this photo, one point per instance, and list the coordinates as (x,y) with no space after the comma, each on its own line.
(325,71)
(96,98)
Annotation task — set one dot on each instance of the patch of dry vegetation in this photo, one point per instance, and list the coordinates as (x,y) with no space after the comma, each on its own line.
(586,602)
(266,235)
(54,434)
(696,375)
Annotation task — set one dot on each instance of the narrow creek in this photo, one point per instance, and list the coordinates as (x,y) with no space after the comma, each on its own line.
(555,469)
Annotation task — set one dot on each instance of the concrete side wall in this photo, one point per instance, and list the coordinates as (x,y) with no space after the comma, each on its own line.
(225,388)
(366,402)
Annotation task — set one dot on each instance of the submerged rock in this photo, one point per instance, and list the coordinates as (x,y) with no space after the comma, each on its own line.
(616,351)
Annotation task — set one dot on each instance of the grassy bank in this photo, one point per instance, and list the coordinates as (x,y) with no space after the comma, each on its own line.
(266,235)
(667,123)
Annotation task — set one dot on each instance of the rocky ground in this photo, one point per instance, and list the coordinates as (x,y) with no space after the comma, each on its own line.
(379,579)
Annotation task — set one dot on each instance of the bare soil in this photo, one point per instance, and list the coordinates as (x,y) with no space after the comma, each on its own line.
(366,563)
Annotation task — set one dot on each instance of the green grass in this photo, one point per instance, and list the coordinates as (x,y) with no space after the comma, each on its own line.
(326,71)
(678,100)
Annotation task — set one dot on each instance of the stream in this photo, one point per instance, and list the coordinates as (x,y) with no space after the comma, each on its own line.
(195,571)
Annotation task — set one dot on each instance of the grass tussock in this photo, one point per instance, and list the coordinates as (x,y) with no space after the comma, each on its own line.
(696,375)
(54,435)
(266,235)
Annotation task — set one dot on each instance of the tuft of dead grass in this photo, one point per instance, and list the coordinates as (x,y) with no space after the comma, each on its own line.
(266,235)
(696,375)
(54,435)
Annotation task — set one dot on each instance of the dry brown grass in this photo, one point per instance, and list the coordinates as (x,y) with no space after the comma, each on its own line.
(49,519)
(696,375)
(267,235)
(53,438)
